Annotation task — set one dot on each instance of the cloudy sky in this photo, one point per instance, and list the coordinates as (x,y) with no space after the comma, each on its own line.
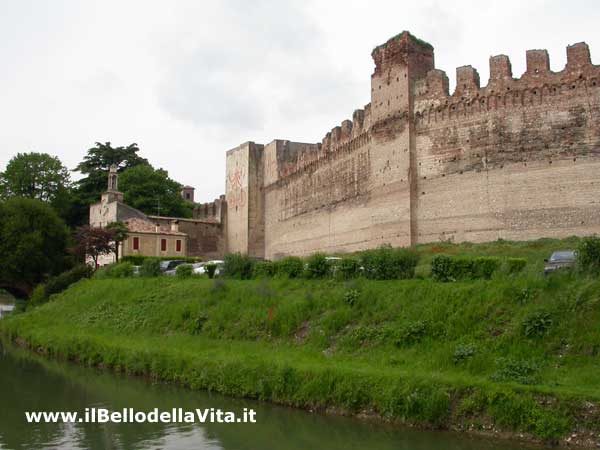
(188,80)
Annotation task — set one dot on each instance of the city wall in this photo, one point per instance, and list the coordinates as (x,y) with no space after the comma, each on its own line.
(516,159)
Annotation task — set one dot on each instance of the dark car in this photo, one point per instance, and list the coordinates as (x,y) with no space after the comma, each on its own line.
(171,264)
(564,259)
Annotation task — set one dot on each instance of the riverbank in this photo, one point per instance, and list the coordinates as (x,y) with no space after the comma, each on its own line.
(513,355)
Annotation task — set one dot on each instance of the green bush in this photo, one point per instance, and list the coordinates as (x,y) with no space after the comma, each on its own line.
(150,267)
(120,270)
(347,268)
(445,268)
(520,371)
(38,296)
(387,263)
(485,266)
(290,267)
(210,270)
(61,282)
(236,265)
(136,260)
(441,268)
(463,352)
(264,269)
(317,266)
(588,254)
(184,271)
(515,265)
(536,324)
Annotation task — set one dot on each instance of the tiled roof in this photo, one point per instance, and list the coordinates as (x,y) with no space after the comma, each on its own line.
(137,225)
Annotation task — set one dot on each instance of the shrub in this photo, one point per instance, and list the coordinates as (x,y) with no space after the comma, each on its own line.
(588,256)
(441,268)
(350,296)
(150,267)
(61,282)
(210,270)
(536,324)
(387,263)
(184,271)
(515,265)
(264,269)
(347,268)
(291,267)
(38,296)
(446,268)
(238,266)
(520,371)
(317,266)
(411,334)
(121,270)
(136,260)
(463,352)
(485,266)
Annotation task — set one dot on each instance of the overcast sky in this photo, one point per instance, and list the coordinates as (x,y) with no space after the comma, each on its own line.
(188,80)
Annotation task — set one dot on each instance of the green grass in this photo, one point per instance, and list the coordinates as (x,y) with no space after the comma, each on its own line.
(520,352)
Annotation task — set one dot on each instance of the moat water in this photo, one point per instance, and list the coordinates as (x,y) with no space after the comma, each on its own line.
(30,383)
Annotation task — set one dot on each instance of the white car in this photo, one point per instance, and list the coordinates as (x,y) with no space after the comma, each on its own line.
(200,268)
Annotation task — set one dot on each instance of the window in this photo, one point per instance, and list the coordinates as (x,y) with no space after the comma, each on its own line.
(178,245)
(136,243)
(187,195)
(163,245)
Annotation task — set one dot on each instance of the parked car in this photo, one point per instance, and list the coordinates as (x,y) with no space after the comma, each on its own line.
(170,264)
(136,271)
(563,259)
(200,268)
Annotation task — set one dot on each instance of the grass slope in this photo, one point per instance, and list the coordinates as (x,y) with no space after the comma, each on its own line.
(515,352)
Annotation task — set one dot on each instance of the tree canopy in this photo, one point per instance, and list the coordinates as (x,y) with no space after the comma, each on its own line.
(35,175)
(33,241)
(153,192)
(94,169)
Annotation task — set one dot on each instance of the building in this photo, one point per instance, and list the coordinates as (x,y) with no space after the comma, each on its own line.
(155,235)
(517,159)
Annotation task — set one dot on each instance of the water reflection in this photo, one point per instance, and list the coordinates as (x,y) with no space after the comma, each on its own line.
(30,383)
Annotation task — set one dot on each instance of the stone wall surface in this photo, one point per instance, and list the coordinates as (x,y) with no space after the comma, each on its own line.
(516,159)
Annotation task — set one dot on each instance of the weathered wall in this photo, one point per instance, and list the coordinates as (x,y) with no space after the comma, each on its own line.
(517,159)
(205,238)
(149,244)
(244,195)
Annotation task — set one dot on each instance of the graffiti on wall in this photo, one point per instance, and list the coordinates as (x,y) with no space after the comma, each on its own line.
(236,193)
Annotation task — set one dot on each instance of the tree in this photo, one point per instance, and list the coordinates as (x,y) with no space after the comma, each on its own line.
(95,167)
(153,192)
(35,175)
(94,242)
(119,231)
(33,242)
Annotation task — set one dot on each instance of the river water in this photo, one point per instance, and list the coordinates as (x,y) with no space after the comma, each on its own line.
(30,383)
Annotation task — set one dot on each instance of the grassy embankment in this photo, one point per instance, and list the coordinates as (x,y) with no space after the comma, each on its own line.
(516,353)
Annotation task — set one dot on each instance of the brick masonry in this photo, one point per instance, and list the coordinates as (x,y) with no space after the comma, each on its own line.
(516,159)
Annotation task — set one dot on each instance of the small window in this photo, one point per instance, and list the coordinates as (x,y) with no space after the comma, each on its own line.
(163,245)
(136,243)
(187,195)
(178,245)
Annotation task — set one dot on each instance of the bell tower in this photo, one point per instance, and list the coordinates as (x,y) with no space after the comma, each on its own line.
(112,193)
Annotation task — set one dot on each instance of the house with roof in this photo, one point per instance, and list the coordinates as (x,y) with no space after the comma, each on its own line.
(156,235)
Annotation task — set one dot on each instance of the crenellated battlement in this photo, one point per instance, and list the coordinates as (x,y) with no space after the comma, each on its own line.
(538,85)
(211,211)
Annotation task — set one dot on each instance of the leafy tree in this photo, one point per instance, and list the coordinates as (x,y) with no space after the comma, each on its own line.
(95,167)
(153,192)
(33,241)
(35,175)
(94,242)
(120,232)
(39,176)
